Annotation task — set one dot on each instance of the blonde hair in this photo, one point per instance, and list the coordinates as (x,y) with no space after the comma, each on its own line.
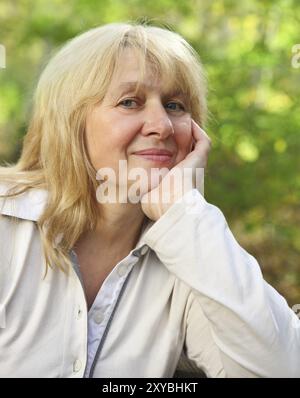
(54,155)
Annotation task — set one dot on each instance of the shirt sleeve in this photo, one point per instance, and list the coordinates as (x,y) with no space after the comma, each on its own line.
(256,332)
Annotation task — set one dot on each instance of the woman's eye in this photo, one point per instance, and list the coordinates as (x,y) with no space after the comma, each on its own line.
(126,101)
(179,104)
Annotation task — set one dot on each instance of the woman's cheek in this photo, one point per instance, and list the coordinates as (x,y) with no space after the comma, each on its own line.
(184,145)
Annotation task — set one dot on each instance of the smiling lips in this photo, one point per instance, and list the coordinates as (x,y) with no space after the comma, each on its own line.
(155,155)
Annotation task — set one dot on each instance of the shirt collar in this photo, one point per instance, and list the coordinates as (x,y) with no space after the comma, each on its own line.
(141,247)
(30,205)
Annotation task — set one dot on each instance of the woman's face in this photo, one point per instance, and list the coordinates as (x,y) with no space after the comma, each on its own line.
(124,123)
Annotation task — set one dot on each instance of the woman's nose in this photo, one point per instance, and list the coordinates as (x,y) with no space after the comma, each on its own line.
(157,122)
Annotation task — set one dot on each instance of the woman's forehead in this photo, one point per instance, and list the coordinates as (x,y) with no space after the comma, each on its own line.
(129,68)
(130,63)
(127,76)
(129,80)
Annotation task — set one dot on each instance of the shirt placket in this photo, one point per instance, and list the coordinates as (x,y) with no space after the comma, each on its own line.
(101,313)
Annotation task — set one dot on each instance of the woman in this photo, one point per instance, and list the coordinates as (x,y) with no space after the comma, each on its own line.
(132,288)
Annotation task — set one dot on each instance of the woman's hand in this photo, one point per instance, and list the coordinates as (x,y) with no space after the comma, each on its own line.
(182,175)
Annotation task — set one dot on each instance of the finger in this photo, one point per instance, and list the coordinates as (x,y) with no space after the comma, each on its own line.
(199,134)
(193,143)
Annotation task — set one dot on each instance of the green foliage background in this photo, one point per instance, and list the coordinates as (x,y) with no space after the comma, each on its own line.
(246,47)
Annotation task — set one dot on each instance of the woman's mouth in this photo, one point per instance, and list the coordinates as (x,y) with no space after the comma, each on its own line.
(161,156)
(156,158)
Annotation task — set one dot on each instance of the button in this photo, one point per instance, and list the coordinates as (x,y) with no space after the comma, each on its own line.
(122,270)
(79,312)
(77,365)
(144,250)
(98,317)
